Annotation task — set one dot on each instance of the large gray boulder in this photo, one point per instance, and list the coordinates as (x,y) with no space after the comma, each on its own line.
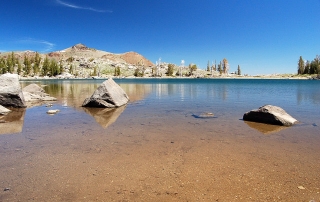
(271,115)
(108,95)
(10,91)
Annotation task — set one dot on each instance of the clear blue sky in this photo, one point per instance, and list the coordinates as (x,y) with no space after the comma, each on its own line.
(262,36)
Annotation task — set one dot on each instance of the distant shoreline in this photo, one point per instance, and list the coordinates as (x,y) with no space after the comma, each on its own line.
(167,77)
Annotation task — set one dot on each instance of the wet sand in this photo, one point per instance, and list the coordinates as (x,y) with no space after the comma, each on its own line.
(148,155)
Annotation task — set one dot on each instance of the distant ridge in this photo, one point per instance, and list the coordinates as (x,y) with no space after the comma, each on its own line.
(82,51)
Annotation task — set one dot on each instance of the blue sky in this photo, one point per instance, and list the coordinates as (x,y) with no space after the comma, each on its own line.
(262,36)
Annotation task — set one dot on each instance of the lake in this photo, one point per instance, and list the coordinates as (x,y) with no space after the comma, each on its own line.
(157,148)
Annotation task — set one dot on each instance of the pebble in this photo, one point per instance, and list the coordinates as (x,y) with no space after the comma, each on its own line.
(301,187)
(6,189)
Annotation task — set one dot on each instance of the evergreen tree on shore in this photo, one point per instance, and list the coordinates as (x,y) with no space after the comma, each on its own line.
(309,67)
(27,66)
(45,66)
(239,70)
(36,64)
(301,66)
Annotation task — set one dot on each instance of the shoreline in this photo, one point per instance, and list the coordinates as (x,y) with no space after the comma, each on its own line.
(167,77)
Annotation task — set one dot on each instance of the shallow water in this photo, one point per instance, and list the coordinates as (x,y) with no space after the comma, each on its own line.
(157,148)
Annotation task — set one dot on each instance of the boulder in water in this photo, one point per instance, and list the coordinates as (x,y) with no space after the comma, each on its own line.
(271,115)
(108,95)
(10,91)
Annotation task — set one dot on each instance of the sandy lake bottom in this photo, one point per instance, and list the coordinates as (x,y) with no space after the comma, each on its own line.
(156,150)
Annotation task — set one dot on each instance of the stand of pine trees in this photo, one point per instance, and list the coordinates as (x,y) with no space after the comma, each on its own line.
(30,66)
(309,67)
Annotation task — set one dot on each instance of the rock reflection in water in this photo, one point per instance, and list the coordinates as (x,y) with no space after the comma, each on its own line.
(265,128)
(104,116)
(12,122)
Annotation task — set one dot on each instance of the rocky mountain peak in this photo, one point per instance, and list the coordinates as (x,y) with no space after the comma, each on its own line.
(80,46)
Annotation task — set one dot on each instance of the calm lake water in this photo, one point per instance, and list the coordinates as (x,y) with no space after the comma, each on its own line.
(156,147)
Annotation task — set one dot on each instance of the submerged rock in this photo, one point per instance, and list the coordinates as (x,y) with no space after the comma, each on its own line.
(53,111)
(10,91)
(108,95)
(271,115)
(204,115)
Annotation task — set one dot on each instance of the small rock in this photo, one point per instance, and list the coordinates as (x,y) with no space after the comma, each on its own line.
(53,111)
(49,105)
(6,189)
(204,115)
(3,110)
(314,124)
(301,187)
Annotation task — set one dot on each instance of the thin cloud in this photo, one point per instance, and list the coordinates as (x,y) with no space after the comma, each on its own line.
(48,46)
(80,7)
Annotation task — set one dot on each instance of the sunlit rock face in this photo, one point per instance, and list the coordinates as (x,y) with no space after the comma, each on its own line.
(108,95)
(10,91)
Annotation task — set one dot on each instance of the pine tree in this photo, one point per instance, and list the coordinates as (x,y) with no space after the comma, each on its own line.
(36,64)
(61,70)
(239,70)
(9,63)
(3,68)
(53,68)
(225,66)
(301,66)
(118,71)
(71,69)
(27,66)
(19,69)
(170,70)
(220,68)
(45,66)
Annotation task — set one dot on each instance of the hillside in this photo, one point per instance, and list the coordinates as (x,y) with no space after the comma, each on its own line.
(80,61)
(84,53)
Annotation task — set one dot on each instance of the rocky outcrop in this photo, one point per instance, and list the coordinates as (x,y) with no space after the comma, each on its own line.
(80,47)
(108,95)
(10,91)
(33,92)
(33,88)
(271,115)
(135,59)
